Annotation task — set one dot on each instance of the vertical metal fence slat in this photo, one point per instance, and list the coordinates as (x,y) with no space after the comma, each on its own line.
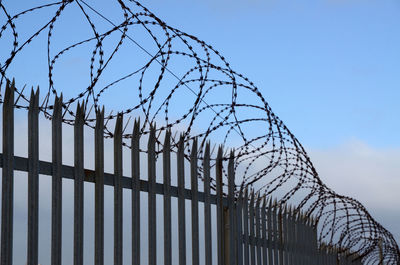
(79,176)
(285,235)
(315,237)
(167,198)
(275,238)
(207,206)
(296,244)
(99,189)
(334,256)
(252,235)
(231,207)
(290,236)
(328,261)
(33,179)
(323,256)
(314,246)
(226,233)
(309,241)
(269,232)
(152,231)
(118,191)
(313,243)
(181,201)
(258,230)
(295,236)
(305,240)
(264,232)
(195,204)
(327,257)
(300,239)
(239,229)
(220,208)
(7,209)
(56,204)
(246,227)
(280,234)
(310,246)
(135,164)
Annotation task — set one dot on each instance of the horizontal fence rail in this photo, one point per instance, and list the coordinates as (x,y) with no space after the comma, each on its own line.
(251,229)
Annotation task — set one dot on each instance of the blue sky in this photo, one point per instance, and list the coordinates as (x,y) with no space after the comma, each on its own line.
(329,69)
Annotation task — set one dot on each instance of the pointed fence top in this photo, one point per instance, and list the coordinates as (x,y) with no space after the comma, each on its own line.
(193,152)
(9,94)
(136,127)
(34,99)
(118,125)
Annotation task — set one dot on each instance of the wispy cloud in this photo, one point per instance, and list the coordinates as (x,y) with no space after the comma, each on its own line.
(370,175)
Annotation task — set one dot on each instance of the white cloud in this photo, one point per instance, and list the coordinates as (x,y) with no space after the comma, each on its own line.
(370,175)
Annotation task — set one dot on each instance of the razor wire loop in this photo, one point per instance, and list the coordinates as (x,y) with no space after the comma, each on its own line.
(343,222)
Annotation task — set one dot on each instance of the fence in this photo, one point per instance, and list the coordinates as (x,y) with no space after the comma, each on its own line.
(250,229)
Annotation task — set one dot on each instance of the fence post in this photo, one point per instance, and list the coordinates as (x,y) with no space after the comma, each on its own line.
(380,252)
(285,234)
(231,209)
(99,189)
(220,211)
(195,204)
(337,256)
(258,229)
(167,198)
(181,201)
(280,231)
(239,235)
(246,227)
(264,231)
(151,172)
(269,231)
(33,178)
(118,191)
(7,194)
(78,185)
(315,236)
(275,232)
(292,235)
(135,164)
(227,243)
(252,235)
(56,205)
(207,207)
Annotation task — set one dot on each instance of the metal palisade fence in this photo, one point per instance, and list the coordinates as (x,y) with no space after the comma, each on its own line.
(251,229)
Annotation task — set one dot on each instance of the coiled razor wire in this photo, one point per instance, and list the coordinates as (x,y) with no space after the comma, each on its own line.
(219,105)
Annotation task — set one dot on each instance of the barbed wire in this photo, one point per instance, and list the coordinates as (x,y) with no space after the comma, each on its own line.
(223,106)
